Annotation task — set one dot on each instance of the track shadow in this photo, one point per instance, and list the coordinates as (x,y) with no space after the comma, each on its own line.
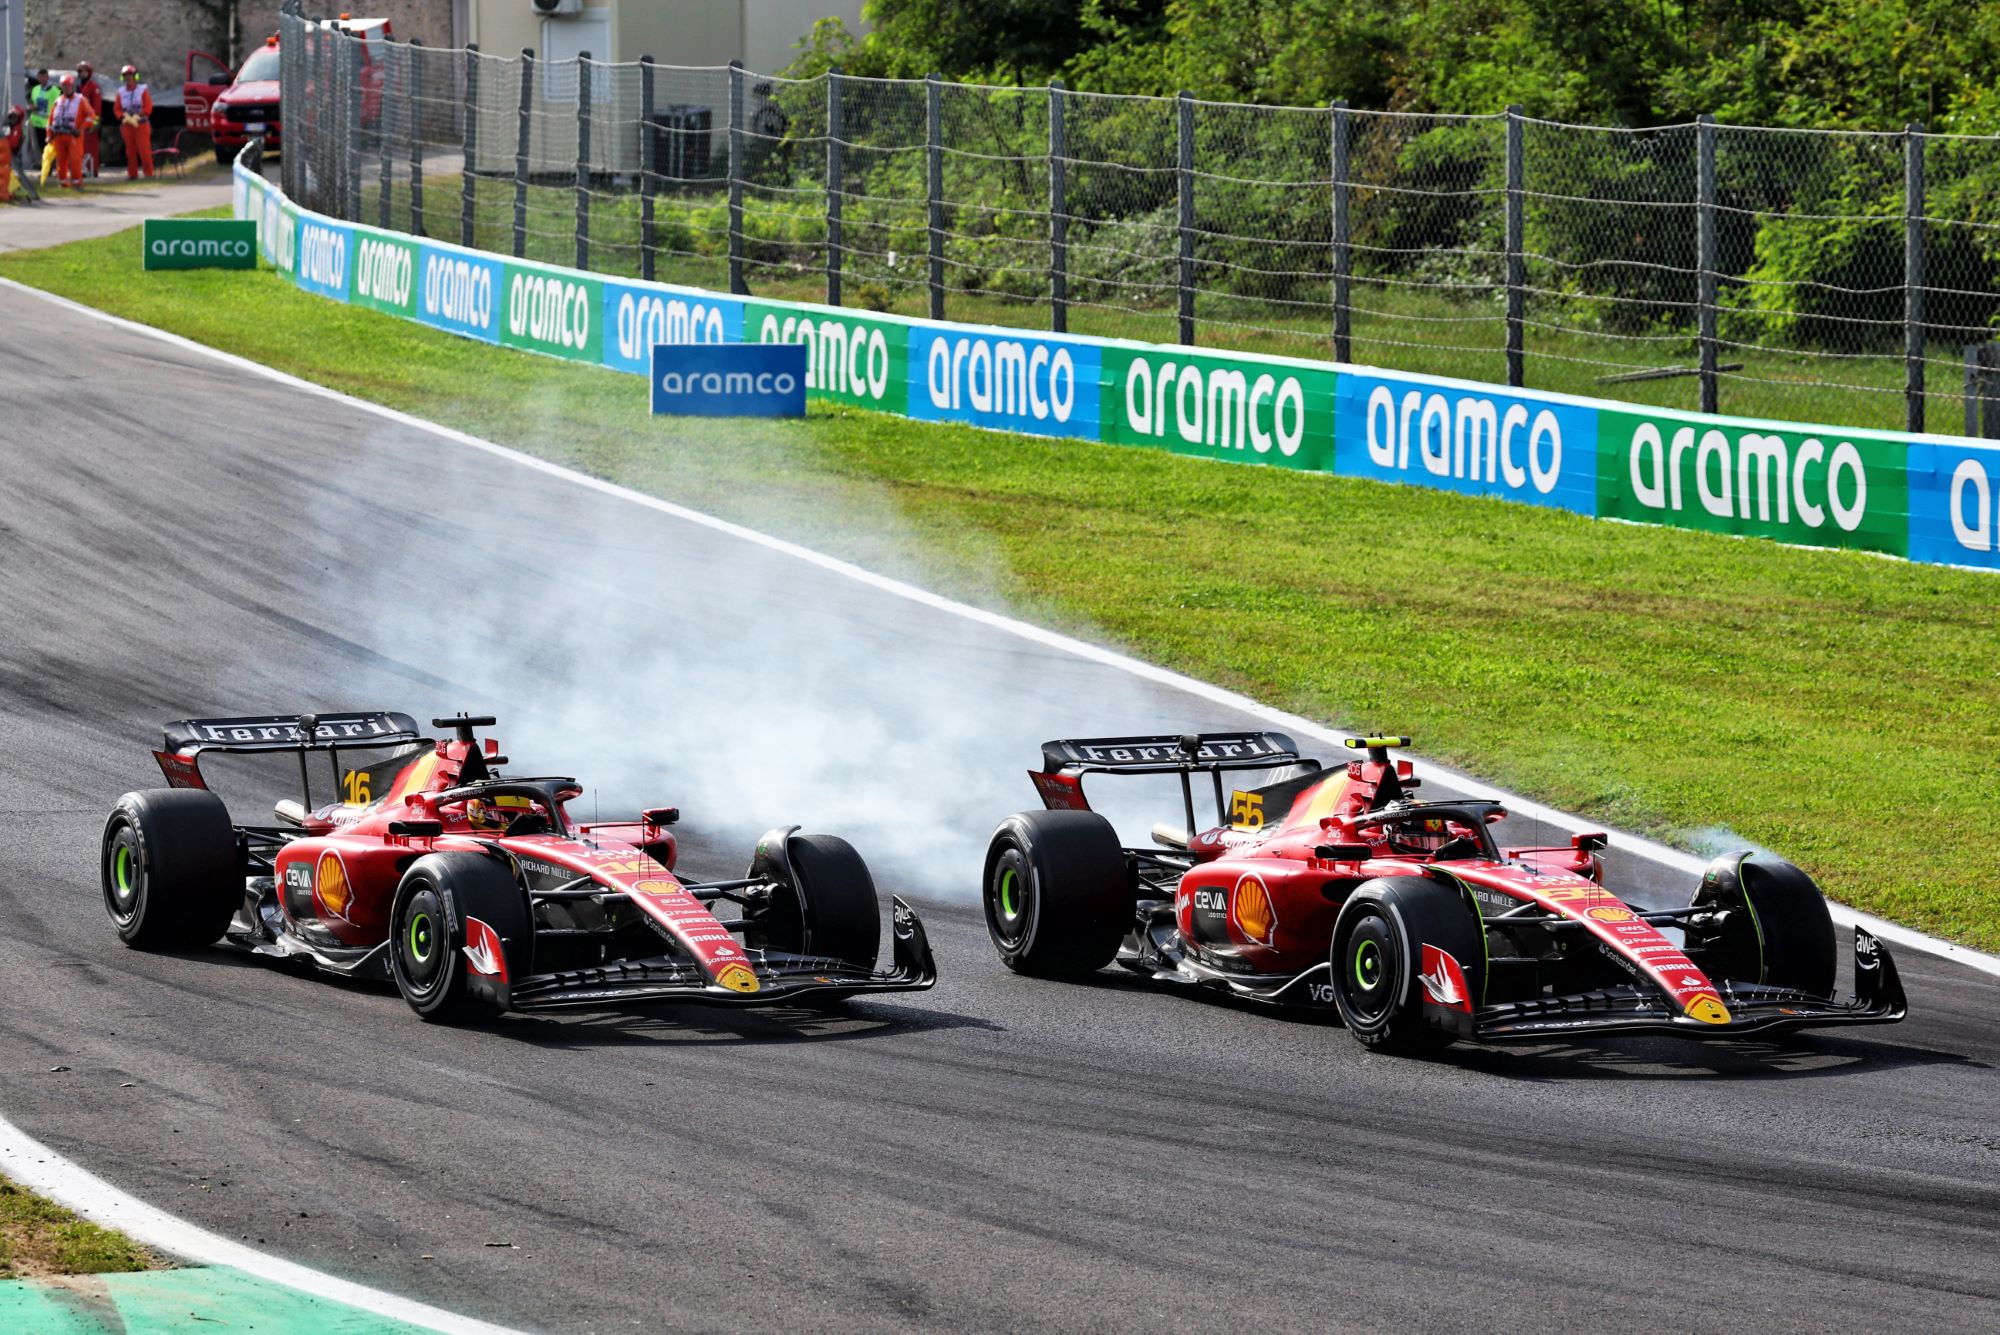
(683,1022)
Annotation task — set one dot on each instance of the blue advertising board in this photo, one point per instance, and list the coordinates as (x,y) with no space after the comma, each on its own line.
(729,380)
(1954,504)
(325,258)
(460,292)
(639,317)
(998,378)
(1486,443)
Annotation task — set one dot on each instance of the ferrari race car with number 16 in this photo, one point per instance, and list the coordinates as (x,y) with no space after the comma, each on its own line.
(1337,888)
(473,890)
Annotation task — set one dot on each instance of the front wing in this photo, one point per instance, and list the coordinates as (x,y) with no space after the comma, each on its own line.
(781,978)
(1754,1008)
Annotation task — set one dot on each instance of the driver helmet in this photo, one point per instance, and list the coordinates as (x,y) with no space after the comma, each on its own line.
(1424,838)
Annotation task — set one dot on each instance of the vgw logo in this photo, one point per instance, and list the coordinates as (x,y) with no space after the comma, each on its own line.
(1001,376)
(547,309)
(383,272)
(840,358)
(645,320)
(1470,439)
(1216,406)
(1783,484)
(458,290)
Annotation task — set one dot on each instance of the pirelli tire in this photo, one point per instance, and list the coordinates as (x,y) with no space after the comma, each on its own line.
(1775,928)
(429,927)
(1057,893)
(1376,958)
(171,872)
(835,912)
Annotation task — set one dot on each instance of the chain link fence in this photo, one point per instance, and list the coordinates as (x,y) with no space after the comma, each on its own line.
(1851,278)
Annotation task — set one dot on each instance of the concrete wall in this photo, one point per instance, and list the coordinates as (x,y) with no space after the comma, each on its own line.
(763,34)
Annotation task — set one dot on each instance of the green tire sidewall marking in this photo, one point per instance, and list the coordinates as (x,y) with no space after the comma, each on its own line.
(1368,951)
(420,937)
(1763,961)
(121,869)
(1008,886)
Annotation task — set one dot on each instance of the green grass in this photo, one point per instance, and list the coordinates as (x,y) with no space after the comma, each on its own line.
(40,1238)
(1401,329)
(1841,708)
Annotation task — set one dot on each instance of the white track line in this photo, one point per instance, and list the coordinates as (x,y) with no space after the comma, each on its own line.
(39,1168)
(1292,723)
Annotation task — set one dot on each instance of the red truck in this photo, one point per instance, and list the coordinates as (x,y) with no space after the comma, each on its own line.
(248,106)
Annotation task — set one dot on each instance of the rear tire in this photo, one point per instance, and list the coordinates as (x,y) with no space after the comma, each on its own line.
(1778,931)
(1377,953)
(427,933)
(1057,892)
(170,870)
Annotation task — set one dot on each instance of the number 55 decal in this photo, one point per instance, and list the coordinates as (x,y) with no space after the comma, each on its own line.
(1247,810)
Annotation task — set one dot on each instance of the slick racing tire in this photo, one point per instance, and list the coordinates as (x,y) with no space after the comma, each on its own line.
(1377,957)
(836,912)
(428,932)
(1777,929)
(172,877)
(1057,893)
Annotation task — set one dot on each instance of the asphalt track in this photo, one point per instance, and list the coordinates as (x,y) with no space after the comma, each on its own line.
(998,1153)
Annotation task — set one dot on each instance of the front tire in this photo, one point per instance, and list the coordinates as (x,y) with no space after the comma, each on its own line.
(427,934)
(834,912)
(1057,892)
(169,866)
(1377,955)
(1776,930)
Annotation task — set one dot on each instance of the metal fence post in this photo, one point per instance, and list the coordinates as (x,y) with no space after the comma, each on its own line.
(1184,176)
(583,160)
(413,92)
(357,111)
(521,153)
(648,229)
(1913,276)
(384,185)
(1516,276)
(468,178)
(934,186)
(1058,209)
(1343,255)
(736,284)
(836,182)
(1704,251)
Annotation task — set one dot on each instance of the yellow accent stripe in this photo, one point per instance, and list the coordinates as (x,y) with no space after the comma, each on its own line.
(1324,801)
(416,778)
(1357,743)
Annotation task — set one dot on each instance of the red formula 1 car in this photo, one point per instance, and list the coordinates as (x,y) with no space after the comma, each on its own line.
(1336,888)
(473,890)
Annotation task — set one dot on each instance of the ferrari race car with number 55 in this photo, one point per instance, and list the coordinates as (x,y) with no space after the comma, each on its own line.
(1336,887)
(474,891)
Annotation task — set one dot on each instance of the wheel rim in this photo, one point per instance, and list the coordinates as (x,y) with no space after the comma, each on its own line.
(420,947)
(1368,976)
(1009,900)
(125,875)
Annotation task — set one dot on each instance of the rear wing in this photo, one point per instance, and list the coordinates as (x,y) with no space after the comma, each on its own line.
(186,739)
(1064,763)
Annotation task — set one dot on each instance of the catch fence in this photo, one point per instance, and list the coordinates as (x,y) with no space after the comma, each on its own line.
(1832,276)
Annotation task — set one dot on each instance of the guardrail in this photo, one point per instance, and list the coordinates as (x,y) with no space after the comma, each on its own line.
(1926,498)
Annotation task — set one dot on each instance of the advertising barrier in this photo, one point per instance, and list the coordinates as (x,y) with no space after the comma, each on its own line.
(1921,497)
(729,380)
(200,243)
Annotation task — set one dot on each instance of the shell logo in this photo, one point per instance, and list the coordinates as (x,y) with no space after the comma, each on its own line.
(330,883)
(657,887)
(738,977)
(1708,1008)
(1610,913)
(1251,909)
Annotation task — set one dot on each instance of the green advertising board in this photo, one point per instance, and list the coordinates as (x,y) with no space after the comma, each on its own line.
(849,358)
(200,243)
(1817,486)
(1240,408)
(385,273)
(556,311)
